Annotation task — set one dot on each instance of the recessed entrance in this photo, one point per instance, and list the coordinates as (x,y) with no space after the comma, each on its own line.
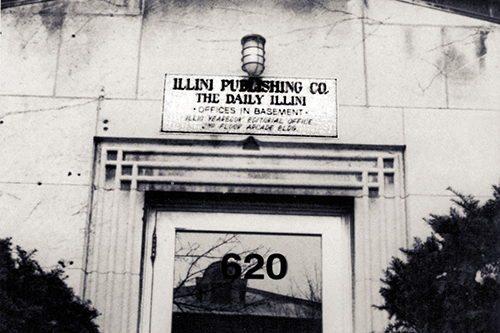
(361,184)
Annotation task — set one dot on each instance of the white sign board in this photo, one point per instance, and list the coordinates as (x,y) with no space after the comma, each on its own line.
(241,105)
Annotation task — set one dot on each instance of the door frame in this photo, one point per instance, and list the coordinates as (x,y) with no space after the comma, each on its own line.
(342,207)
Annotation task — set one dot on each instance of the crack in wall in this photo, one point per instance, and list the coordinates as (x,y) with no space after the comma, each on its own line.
(33,210)
(110,272)
(424,89)
(195,26)
(9,194)
(31,37)
(65,107)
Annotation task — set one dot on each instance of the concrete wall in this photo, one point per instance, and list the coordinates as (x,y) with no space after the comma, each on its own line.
(75,70)
(441,70)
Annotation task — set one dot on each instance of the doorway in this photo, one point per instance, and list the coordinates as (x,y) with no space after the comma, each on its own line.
(247,263)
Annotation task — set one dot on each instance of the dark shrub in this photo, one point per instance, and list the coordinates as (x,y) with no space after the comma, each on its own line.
(32,300)
(449,283)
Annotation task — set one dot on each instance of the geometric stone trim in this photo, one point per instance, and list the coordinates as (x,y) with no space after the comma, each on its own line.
(341,171)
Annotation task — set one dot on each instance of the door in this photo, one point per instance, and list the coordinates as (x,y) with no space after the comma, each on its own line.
(217,271)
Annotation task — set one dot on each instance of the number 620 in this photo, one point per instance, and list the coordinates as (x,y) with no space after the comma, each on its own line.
(232,270)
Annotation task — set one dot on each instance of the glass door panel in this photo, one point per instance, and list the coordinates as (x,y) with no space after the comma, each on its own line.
(233,272)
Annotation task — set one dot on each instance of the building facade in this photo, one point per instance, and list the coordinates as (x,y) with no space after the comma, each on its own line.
(88,177)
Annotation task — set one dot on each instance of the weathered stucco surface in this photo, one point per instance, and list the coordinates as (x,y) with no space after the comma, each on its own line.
(46,153)
(75,70)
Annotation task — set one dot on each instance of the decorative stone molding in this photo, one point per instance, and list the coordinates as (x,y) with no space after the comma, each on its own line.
(125,172)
